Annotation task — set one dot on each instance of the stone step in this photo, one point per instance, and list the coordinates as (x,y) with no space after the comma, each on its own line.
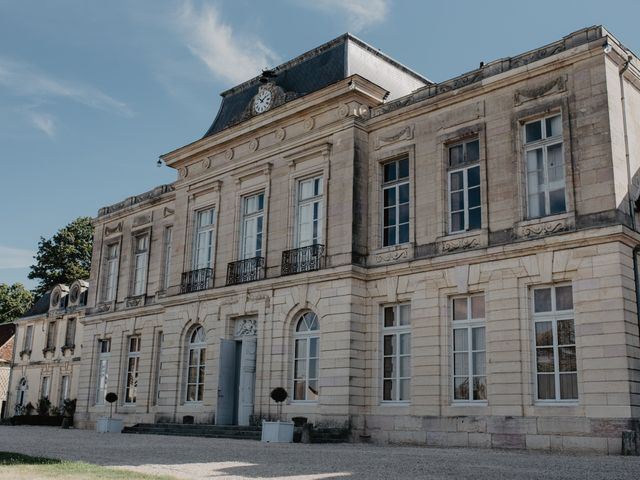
(240,432)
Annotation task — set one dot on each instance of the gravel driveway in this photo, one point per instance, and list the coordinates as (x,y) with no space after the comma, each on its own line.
(202,458)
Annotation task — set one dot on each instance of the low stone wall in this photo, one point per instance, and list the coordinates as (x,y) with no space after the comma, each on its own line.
(536,433)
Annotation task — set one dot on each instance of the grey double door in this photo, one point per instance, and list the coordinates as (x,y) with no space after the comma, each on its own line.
(236,381)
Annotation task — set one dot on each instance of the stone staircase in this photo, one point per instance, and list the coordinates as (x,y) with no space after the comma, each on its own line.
(239,432)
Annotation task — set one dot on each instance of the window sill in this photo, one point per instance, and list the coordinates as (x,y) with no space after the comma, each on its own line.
(392,253)
(556,403)
(466,240)
(395,403)
(470,403)
(304,402)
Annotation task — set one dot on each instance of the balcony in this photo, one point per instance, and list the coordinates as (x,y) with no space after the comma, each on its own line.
(244,271)
(304,259)
(196,280)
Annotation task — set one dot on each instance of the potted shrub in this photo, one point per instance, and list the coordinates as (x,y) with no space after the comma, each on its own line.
(44,406)
(278,431)
(68,409)
(109,424)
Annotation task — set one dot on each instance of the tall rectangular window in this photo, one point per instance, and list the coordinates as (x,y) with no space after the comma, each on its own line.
(309,212)
(140,262)
(45,389)
(28,339)
(111,273)
(204,239)
(167,243)
(545,167)
(555,343)
(396,351)
(51,335)
(158,367)
(70,335)
(104,353)
(396,202)
(252,225)
(133,362)
(64,389)
(464,186)
(469,351)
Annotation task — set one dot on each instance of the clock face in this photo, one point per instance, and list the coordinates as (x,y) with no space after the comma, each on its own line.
(262,101)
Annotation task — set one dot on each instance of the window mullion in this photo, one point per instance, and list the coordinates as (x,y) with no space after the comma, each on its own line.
(465,196)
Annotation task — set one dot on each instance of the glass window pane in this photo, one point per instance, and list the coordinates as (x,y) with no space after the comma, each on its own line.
(555,163)
(534,160)
(473,177)
(403,168)
(403,232)
(533,131)
(387,390)
(390,236)
(405,389)
(568,386)
(564,298)
(544,360)
(544,334)
(477,338)
(460,339)
(457,180)
(390,172)
(405,314)
(403,193)
(405,343)
(318,186)
(457,222)
(567,359)
(460,308)
(299,390)
(474,219)
(457,201)
(389,316)
(473,151)
(554,126)
(473,196)
(566,334)
(479,363)
(455,156)
(313,368)
(542,300)
(546,387)
(301,348)
(461,388)
(477,306)
(389,196)
(389,366)
(389,344)
(404,213)
(313,347)
(480,388)
(557,202)
(389,216)
(191,393)
(405,367)
(300,369)
(461,364)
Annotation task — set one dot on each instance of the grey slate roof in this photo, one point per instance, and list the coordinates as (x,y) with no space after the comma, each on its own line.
(41,306)
(317,69)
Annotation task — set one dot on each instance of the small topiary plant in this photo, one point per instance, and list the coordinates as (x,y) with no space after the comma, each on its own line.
(279,395)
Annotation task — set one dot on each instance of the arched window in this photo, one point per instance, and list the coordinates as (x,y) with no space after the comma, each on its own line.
(305,357)
(195,367)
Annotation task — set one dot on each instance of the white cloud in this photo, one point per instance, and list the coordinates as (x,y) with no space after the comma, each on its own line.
(359,14)
(229,56)
(15,257)
(44,122)
(25,80)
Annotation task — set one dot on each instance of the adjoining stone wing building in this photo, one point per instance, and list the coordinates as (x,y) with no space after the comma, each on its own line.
(47,349)
(7,337)
(440,264)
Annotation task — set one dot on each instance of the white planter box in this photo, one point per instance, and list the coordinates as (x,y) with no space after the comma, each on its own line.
(108,425)
(277,432)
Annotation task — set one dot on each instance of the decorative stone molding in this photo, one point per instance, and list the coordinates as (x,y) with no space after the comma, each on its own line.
(103,307)
(24,353)
(405,133)
(308,124)
(254,144)
(167,212)
(108,231)
(541,229)
(183,172)
(228,154)
(64,349)
(132,302)
(465,243)
(156,192)
(555,86)
(142,219)
(206,163)
(392,256)
(280,134)
(246,327)
(343,110)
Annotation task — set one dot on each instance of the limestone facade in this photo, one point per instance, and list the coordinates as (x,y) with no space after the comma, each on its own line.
(505,316)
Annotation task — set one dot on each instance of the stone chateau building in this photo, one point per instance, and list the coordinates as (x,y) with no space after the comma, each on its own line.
(445,263)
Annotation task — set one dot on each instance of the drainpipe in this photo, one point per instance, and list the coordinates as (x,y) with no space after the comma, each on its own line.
(623,69)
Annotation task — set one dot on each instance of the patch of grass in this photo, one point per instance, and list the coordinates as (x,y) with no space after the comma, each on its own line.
(17,466)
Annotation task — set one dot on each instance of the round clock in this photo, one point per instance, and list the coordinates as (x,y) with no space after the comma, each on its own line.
(262,102)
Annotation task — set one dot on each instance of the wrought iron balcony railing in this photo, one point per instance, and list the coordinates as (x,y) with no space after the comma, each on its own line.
(304,259)
(196,280)
(244,271)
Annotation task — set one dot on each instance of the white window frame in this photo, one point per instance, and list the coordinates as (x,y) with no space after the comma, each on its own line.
(204,239)
(396,332)
(51,335)
(316,202)
(468,324)
(166,247)
(132,370)
(544,143)
(553,316)
(112,258)
(28,338)
(198,345)
(158,366)
(102,375)
(395,185)
(257,216)
(463,167)
(65,383)
(307,337)
(70,333)
(45,387)
(140,263)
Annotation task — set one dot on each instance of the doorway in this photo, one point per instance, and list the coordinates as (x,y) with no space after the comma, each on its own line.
(237,375)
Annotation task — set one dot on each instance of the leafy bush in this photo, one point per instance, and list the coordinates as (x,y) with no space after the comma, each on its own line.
(69,407)
(44,406)
(29,408)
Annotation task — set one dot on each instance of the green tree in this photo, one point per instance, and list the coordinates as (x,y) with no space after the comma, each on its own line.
(65,257)
(15,300)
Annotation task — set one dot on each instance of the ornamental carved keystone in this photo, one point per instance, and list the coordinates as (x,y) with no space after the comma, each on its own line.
(280,134)
(392,256)
(254,144)
(111,230)
(246,327)
(308,124)
(228,154)
(206,163)
(460,244)
(404,134)
(540,229)
(168,212)
(134,301)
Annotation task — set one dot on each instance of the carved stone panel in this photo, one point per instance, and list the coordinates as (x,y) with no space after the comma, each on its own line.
(543,228)
(392,256)
(465,243)
(549,88)
(110,230)
(405,133)
(142,219)
(246,327)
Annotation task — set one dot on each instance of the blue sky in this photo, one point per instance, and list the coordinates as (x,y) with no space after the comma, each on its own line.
(91,93)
